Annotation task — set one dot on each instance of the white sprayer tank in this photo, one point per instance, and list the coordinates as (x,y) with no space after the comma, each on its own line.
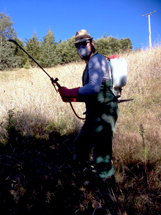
(119,74)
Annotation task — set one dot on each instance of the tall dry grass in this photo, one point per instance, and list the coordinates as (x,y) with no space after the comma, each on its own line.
(137,139)
(32,105)
(33,99)
(144,84)
(35,104)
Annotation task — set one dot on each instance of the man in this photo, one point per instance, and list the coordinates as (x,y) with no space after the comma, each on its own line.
(101,117)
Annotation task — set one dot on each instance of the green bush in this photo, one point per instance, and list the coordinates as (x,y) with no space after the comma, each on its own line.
(27,65)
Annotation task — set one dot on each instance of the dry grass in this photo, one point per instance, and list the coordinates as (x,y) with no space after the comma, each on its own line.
(137,140)
(31,96)
(144,81)
(30,104)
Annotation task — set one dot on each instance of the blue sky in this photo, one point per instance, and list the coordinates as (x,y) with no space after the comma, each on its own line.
(118,18)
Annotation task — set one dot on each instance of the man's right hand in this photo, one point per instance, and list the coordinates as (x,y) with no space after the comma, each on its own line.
(68,95)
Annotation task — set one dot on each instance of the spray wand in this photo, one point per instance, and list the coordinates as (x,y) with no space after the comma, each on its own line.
(53,81)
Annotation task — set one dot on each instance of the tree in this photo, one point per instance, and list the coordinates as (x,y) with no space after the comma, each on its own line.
(48,46)
(103,47)
(111,45)
(65,52)
(115,45)
(126,44)
(33,48)
(105,35)
(7,50)
(19,52)
(6,30)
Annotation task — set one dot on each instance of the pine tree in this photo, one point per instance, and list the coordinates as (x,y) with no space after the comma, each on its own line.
(126,44)
(33,48)
(65,52)
(115,45)
(111,45)
(48,46)
(7,50)
(19,52)
(103,46)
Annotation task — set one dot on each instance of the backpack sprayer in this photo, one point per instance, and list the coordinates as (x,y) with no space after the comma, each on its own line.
(53,81)
(119,77)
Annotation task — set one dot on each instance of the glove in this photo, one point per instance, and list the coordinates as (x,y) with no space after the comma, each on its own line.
(69,95)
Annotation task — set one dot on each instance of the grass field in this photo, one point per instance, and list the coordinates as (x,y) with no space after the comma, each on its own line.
(37,130)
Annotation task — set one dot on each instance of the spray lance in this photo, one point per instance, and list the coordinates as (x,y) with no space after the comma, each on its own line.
(53,81)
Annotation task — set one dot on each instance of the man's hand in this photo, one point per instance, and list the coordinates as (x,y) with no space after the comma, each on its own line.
(68,95)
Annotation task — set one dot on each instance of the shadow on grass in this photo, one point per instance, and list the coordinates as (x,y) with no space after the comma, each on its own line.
(37,176)
(31,179)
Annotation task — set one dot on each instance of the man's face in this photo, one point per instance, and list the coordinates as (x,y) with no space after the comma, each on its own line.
(85,44)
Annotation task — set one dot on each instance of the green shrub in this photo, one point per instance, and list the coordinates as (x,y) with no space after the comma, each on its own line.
(27,65)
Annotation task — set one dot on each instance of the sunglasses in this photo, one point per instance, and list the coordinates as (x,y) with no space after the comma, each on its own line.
(84,43)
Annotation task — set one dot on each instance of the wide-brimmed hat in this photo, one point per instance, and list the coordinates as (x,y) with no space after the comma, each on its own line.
(81,36)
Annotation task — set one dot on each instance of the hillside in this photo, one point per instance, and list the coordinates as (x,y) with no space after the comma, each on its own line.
(37,130)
